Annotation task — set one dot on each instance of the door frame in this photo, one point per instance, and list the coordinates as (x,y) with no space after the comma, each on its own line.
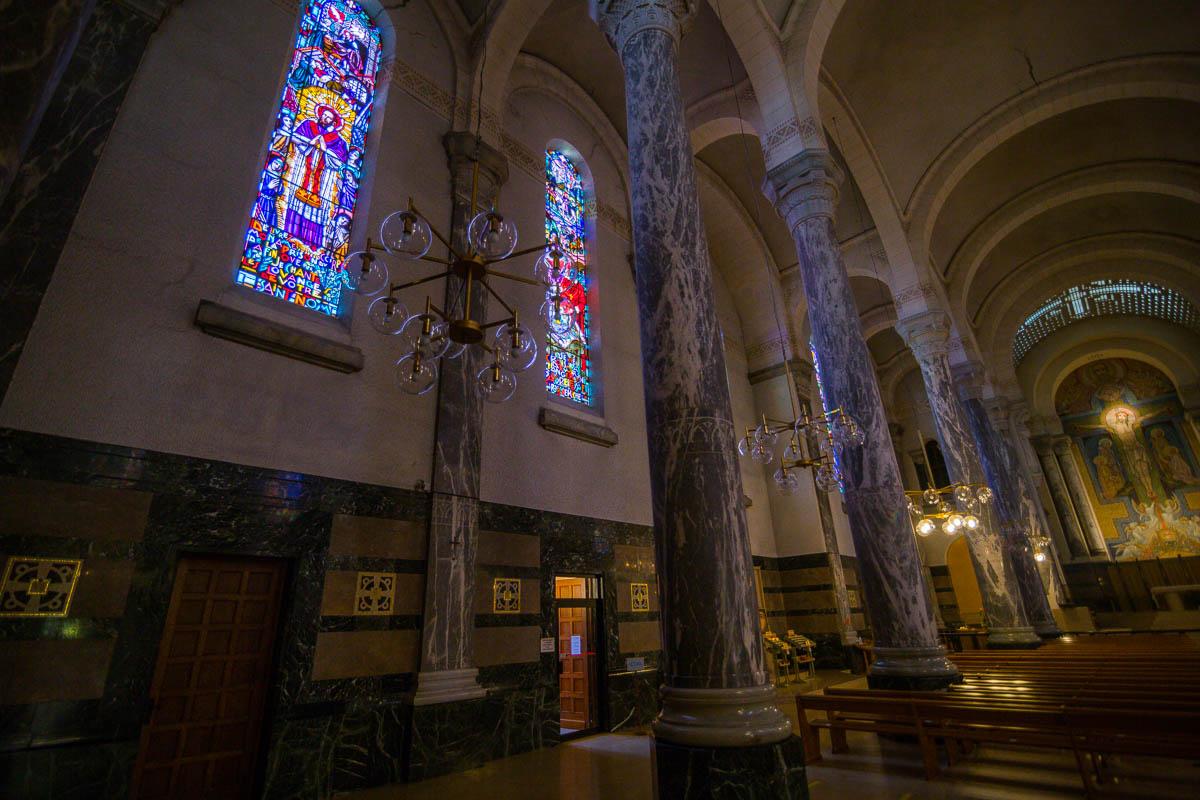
(598,687)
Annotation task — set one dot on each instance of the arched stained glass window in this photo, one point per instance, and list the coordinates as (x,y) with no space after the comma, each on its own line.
(300,227)
(568,365)
(1103,298)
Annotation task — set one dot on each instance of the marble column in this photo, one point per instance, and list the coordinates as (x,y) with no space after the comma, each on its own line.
(907,650)
(1018,513)
(1077,490)
(928,336)
(1060,497)
(719,727)
(841,595)
(447,671)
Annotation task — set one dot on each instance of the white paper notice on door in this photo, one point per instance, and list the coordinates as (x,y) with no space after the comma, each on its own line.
(576,646)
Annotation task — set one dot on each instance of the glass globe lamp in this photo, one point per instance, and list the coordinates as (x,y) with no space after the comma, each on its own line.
(970,522)
(516,346)
(496,383)
(491,235)
(794,451)
(956,521)
(427,335)
(826,478)
(925,527)
(555,314)
(762,454)
(415,375)
(984,495)
(930,497)
(1039,556)
(745,445)
(786,481)
(764,436)
(387,315)
(549,267)
(964,494)
(406,234)
(364,273)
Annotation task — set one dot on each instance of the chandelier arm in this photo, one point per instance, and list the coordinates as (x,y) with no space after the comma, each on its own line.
(496,295)
(436,260)
(433,229)
(438,311)
(518,253)
(495,322)
(510,277)
(396,287)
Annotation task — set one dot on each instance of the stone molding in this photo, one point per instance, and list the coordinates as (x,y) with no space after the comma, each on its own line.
(805,186)
(621,20)
(927,334)
(557,421)
(447,686)
(224,322)
(735,717)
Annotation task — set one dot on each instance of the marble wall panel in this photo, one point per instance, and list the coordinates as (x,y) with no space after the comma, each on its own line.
(509,549)
(51,508)
(377,537)
(102,589)
(640,637)
(506,645)
(356,654)
(43,670)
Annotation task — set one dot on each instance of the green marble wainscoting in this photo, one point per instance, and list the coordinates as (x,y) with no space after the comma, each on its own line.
(339,712)
(798,591)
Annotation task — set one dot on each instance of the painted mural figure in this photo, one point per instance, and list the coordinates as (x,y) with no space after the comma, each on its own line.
(1124,424)
(1174,466)
(1108,470)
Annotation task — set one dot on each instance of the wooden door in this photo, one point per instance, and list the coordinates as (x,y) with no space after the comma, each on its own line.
(211,680)
(574,685)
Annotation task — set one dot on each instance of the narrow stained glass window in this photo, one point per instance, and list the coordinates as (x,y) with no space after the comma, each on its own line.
(300,227)
(568,366)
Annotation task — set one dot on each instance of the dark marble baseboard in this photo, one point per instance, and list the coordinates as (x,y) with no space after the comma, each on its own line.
(762,772)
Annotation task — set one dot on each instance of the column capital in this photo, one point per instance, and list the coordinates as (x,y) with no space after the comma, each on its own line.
(462,151)
(1042,445)
(927,335)
(804,186)
(621,19)
(1061,445)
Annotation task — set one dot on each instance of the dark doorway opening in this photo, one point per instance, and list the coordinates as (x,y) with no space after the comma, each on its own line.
(211,680)
(580,653)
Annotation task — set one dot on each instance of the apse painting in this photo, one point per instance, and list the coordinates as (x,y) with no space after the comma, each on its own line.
(1128,424)
(300,228)
(568,365)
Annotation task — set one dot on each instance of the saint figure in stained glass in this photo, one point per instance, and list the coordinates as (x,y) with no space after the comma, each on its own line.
(300,228)
(568,366)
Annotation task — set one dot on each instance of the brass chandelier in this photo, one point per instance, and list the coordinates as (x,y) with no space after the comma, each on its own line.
(438,333)
(812,442)
(952,508)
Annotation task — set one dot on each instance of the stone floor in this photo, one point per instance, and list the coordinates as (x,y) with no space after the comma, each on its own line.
(609,766)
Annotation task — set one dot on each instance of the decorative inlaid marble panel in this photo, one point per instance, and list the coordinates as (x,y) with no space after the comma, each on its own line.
(38,587)
(506,596)
(639,596)
(375,594)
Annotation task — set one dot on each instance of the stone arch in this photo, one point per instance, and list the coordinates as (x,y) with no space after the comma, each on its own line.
(1146,177)
(1167,76)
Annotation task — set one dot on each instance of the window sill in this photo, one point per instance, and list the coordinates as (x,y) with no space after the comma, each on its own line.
(557,421)
(274,337)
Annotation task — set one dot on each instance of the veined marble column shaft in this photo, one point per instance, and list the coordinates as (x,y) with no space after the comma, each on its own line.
(841,595)
(907,650)
(1019,515)
(928,335)
(1061,497)
(447,654)
(716,692)
(1079,497)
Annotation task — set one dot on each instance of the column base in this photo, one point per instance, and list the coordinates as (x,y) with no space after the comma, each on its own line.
(1047,630)
(448,685)
(738,717)
(765,772)
(912,668)
(1013,639)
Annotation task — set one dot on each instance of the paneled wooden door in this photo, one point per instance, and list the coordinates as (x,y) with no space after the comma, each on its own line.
(574,677)
(211,680)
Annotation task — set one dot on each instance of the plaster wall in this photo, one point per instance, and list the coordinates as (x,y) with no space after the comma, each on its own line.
(114,357)
(557,472)
(754,482)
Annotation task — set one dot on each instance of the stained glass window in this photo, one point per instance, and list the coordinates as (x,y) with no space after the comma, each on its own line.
(1099,299)
(300,227)
(568,366)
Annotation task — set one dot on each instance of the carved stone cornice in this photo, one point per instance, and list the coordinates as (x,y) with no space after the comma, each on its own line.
(620,20)
(927,335)
(804,186)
